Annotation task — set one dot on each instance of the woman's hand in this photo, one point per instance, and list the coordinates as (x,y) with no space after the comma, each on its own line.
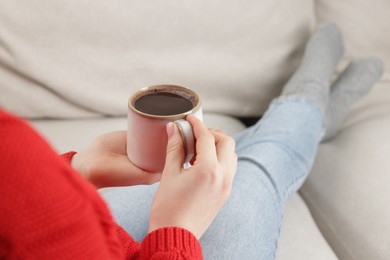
(105,163)
(191,198)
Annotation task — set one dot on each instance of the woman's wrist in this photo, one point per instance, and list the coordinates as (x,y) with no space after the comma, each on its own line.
(67,157)
(73,159)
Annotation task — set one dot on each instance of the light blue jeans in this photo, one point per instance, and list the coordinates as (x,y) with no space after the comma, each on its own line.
(274,158)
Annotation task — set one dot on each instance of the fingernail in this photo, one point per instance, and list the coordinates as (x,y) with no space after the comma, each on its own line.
(170,129)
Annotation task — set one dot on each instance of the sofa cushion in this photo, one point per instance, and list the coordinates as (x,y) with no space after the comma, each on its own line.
(300,237)
(348,189)
(68,59)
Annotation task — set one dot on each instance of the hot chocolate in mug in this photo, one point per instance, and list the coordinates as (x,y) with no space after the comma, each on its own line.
(149,111)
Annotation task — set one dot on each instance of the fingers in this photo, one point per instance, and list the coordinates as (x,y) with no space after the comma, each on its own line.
(212,147)
(175,150)
(205,142)
(122,173)
(220,148)
(225,147)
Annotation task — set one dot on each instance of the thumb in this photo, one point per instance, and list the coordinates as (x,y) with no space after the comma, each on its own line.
(175,152)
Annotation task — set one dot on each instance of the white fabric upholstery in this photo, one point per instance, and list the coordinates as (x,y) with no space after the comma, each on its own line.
(348,190)
(300,237)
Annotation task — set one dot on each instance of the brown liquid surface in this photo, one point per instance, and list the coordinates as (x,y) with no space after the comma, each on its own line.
(163,104)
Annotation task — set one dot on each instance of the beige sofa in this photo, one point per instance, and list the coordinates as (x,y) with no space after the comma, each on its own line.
(69,66)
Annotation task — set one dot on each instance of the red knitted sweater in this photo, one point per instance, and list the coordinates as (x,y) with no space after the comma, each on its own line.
(48,211)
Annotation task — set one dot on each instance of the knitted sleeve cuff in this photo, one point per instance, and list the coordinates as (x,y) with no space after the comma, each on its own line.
(171,243)
(67,157)
(129,246)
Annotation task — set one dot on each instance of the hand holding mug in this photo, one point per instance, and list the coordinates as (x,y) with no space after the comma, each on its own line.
(104,163)
(191,198)
(187,197)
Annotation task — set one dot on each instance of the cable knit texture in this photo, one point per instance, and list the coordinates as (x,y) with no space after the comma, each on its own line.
(48,211)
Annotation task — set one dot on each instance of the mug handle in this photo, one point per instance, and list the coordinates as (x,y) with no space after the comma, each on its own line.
(188,138)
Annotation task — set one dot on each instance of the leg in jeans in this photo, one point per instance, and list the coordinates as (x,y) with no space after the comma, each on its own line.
(276,155)
(274,158)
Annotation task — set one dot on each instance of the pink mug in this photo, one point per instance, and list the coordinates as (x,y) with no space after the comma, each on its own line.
(150,109)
